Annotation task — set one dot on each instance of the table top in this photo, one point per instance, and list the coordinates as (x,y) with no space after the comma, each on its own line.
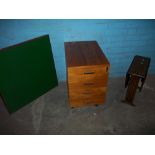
(84,53)
(139,66)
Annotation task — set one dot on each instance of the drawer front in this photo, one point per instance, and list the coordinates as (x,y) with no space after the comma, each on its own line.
(91,81)
(88,70)
(79,102)
(86,92)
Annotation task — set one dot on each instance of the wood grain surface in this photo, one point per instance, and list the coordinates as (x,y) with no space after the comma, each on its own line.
(84,53)
(87,73)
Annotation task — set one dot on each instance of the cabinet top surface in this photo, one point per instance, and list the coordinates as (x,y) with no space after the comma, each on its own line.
(84,53)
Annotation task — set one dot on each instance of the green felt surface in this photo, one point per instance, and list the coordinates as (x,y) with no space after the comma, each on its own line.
(27,71)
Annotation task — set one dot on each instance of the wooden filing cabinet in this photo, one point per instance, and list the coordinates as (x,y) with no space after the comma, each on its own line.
(87,73)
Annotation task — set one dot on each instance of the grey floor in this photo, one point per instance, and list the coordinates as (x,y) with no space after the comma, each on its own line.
(51,114)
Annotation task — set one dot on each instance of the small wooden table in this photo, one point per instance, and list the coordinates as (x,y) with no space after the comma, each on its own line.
(136,76)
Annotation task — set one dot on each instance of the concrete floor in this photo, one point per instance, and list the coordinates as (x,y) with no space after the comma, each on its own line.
(50,113)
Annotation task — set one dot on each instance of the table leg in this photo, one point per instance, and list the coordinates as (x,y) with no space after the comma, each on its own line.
(131,90)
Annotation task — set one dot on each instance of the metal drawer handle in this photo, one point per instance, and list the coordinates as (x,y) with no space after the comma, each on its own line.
(89,72)
(88,83)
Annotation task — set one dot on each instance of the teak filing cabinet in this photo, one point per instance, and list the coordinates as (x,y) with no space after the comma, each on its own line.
(87,73)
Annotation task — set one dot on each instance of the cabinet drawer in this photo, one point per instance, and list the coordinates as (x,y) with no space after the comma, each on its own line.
(85,91)
(99,70)
(79,102)
(89,81)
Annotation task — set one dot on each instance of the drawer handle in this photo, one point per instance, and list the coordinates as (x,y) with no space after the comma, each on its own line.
(88,84)
(89,72)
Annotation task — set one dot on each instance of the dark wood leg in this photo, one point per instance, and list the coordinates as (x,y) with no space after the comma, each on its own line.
(131,90)
(127,80)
